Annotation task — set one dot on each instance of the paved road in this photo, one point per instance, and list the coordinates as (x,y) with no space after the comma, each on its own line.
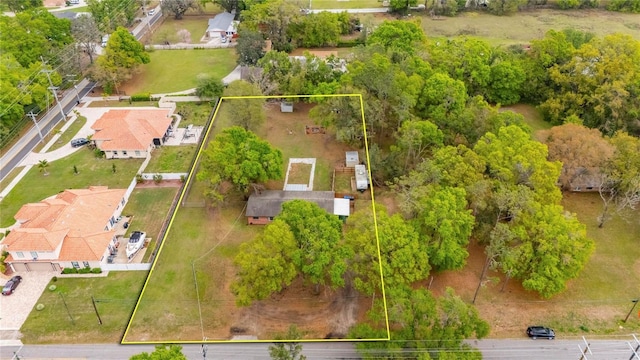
(491,350)
(313,351)
(26,144)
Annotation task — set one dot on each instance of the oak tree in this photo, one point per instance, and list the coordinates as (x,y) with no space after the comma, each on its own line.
(245,112)
(264,264)
(239,157)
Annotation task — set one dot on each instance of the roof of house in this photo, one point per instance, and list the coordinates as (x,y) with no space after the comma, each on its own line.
(90,247)
(269,202)
(46,225)
(221,22)
(131,129)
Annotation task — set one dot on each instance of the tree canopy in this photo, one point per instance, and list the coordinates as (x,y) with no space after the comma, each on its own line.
(122,56)
(245,112)
(162,352)
(239,157)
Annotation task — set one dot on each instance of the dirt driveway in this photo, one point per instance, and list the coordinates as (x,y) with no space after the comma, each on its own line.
(15,308)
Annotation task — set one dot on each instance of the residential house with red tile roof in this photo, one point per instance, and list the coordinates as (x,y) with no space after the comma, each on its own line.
(124,134)
(74,228)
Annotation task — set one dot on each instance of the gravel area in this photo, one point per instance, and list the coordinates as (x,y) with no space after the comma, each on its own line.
(15,308)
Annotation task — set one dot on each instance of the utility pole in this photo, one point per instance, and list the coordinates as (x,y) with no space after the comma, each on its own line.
(635,302)
(95,308)
(54,91)
(204,349)
(33,117)
(586,349)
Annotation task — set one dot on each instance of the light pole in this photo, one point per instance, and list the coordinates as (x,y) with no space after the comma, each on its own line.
(635,302)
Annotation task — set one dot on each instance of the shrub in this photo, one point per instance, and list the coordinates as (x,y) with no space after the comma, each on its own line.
(54,279)
(85,270)
(141,97)
(70,270)
(630,6)
(96,271)
(568,4)
(139,178)
(98,153)
(52,288)
(157,178)
(40,307)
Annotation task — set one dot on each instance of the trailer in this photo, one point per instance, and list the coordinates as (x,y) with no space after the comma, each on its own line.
(362,178)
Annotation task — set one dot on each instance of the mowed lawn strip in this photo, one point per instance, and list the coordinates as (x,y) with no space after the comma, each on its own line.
(188,64)
(35,186)
(345,4)
(70,133)
(149,207)
(115,297)
(171,159)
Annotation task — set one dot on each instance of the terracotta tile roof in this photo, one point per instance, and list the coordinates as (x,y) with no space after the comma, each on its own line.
(34,239)
(131,129)
(85,248)
(56,220)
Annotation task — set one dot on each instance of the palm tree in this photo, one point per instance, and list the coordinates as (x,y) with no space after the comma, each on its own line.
(92,144)
(42,165)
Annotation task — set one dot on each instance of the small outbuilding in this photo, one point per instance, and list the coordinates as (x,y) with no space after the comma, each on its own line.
(352,159)
(286,107)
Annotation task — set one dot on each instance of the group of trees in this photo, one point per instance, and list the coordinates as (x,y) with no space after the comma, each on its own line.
(288,27)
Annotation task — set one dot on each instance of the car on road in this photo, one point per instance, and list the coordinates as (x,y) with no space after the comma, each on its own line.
(79,142)
(11,285)
(535,332)
(152,12)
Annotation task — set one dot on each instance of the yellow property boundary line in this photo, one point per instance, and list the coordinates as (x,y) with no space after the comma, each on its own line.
(187,186)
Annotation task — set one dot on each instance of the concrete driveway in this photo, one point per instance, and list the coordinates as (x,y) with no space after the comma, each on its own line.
(15,308)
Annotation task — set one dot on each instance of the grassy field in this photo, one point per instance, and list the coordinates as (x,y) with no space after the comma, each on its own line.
(115,298)
(196,25)
(149,207)
(527,25)
(344,4)
(171,159)
(35,186)
(168,308)
(177,70)
(532,116)
(70,133)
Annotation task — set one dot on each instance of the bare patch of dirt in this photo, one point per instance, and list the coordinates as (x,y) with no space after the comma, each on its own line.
(299,173)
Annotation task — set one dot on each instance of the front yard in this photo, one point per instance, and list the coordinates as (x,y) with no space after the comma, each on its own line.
(115,297)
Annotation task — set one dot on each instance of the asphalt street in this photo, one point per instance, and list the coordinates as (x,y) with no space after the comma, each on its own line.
(26,144)
(492,349)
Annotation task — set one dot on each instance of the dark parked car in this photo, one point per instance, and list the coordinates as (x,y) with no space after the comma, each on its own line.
(79,142)
(535,332)
(11,285)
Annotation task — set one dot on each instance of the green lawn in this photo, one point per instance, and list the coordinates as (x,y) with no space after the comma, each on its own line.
(115,298)
(107,103)
(35,186)
(344,4)
(193,113)
(169,159)
(10,176)
(149,207)
(168,31)
(177,70)
(168,307)
(70,133)
(524,26)
(532,116)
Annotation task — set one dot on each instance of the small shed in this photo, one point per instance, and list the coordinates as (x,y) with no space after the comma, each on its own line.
(352,159)
(286,107)
(342,208)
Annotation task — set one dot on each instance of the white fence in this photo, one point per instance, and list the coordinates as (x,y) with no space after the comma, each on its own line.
(165,176)
(127,267)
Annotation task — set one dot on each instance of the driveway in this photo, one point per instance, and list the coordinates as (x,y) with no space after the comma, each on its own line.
(15,308)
